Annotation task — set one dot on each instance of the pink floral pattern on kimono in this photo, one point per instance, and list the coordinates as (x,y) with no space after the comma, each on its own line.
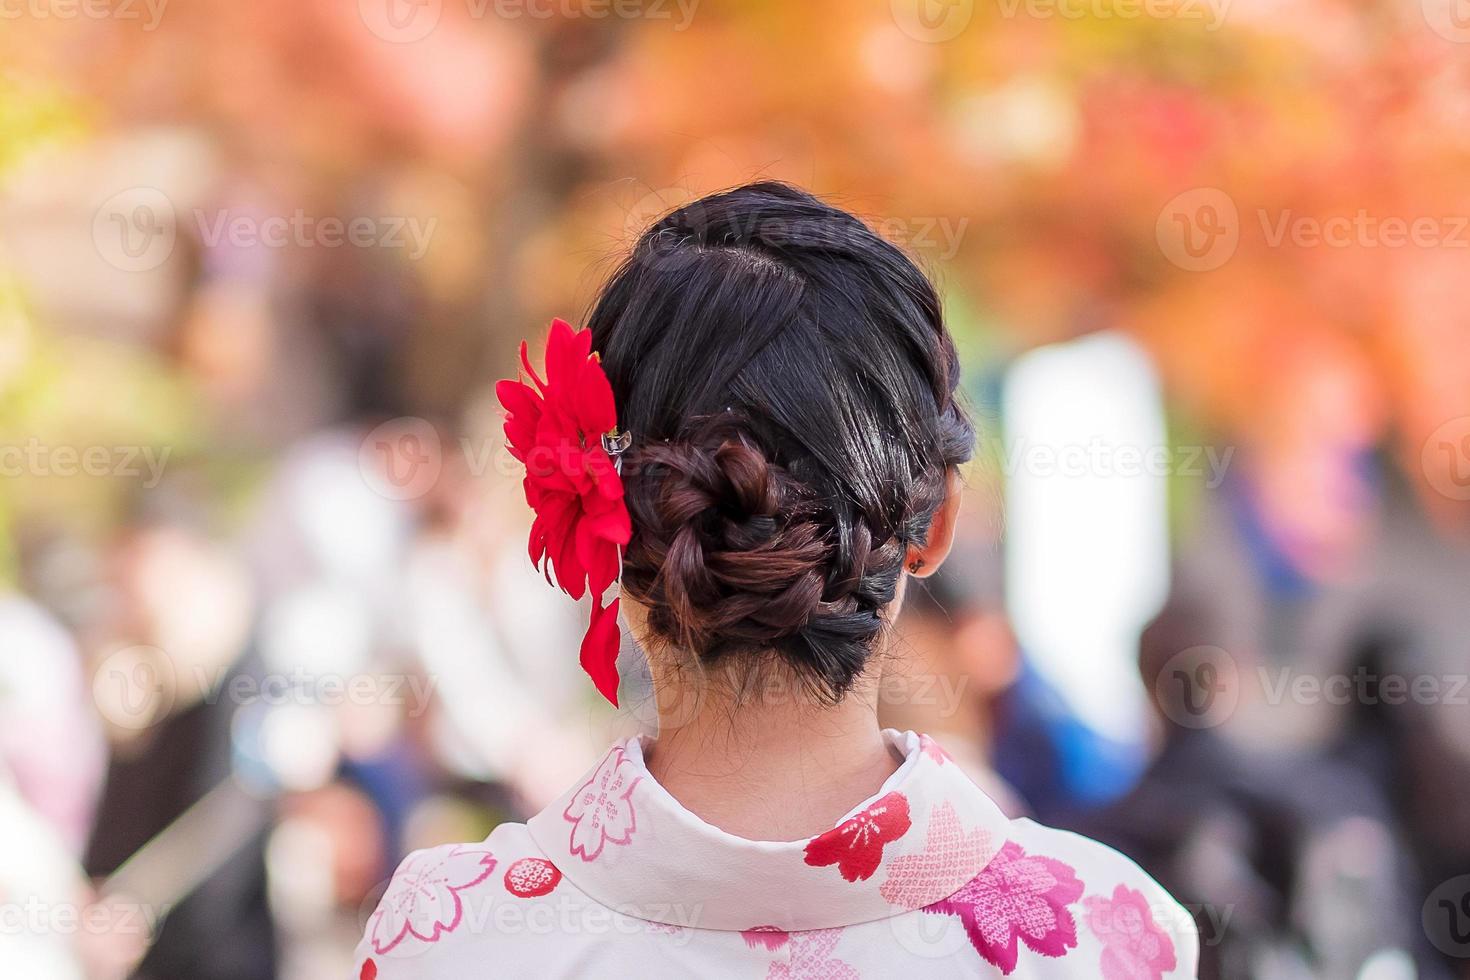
(948,860)
(768,936)
(423,899)
(1017,897)
(810,958)
(602,810)
(1134,945)
(934,750)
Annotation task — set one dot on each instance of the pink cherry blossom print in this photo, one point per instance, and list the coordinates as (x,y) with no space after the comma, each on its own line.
(369,970)
(949,858)
(1017,897)
(856,844)
(423,898)
(810,958)
(1134,946)
(602,811)
(531,878)
(768,936)
(934,750)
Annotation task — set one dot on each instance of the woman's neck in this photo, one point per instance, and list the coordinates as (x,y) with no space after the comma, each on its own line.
(771,769)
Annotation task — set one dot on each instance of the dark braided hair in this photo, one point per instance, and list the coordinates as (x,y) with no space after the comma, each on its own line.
(789,386)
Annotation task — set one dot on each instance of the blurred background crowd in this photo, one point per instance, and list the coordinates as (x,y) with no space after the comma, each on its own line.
(266,617)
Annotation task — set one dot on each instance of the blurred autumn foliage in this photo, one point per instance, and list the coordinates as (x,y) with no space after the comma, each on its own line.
(1032,160)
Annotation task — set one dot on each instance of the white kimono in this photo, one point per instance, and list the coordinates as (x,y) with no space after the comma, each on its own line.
(927,878)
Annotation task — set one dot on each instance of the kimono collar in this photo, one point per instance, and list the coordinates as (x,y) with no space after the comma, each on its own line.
(625,842)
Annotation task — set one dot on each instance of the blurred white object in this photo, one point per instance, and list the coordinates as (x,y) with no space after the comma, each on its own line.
(1087,549)
(50,738)
(41,883)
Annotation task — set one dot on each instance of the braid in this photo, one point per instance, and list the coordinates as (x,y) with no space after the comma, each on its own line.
(789,386)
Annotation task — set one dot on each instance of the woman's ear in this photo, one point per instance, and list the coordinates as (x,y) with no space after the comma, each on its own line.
(924,560)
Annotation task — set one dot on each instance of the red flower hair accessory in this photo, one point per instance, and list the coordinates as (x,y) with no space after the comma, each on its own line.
(562,430)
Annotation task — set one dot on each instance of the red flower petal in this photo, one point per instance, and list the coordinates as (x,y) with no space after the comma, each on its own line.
(856,844)
(598,557)
(532,877)
(526,366)
(562,544)
(523,414)
(610,524)
(768,936)
(605,479)
(572,483)
(600,649)
(566,352)
(552,518)
(592,402)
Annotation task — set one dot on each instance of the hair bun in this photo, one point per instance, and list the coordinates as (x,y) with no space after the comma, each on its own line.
(727,549)
(790,386)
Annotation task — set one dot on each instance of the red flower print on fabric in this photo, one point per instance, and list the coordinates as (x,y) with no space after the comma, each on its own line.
(423,900)
(934,750)
(369,970)
(1017,897)
(856,844)
(602,810)
(532,878)
(768,936)
(1134,945)
(950,856)
(810,958)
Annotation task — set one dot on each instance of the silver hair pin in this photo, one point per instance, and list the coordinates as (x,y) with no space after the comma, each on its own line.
(615,446)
